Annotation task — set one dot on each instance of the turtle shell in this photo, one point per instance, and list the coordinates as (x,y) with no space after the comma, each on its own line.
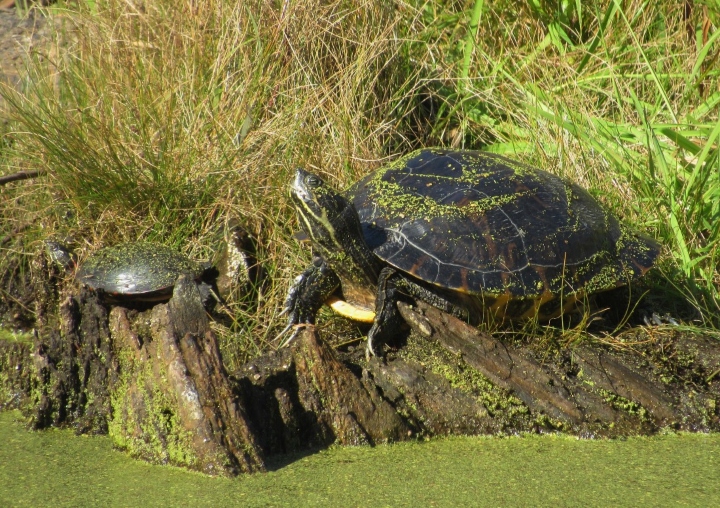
(481,224)
(136,271)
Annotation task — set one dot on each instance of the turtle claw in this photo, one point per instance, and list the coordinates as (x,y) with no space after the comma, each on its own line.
(369,351)
(658,320)
(279,336)
(296,328)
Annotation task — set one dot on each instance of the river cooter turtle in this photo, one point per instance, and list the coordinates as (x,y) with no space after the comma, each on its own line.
(472,233)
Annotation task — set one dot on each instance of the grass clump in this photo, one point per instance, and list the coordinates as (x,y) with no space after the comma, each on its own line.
(164,121)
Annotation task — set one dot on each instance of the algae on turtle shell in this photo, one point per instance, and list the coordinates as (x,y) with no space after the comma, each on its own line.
(140,271)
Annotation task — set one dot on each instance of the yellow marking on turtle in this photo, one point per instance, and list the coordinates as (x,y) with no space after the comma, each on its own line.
(349,310)
(500,304)
(569,302)
(322,219)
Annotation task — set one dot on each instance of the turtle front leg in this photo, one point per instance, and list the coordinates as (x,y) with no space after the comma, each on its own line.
(307,294)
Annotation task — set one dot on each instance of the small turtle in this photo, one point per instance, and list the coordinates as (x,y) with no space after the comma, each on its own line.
(136,271)
(473,233)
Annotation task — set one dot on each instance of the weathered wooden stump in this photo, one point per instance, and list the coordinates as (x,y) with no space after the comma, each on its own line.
(154,380)
(591,390)
(452,379)
(304,397)
(171,400)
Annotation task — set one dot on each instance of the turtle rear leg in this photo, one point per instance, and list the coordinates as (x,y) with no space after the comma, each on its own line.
(394,286)
(387,317)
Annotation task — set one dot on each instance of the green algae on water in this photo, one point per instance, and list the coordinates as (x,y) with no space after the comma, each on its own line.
(57,468)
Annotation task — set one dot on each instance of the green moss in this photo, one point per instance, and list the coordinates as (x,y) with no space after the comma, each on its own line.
(13,336)
(12,381)
(309,358)
(154,432)
(5,391)
(500,403)
(617,401)
(625,405)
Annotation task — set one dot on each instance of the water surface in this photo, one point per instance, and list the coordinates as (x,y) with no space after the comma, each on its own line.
(56,468)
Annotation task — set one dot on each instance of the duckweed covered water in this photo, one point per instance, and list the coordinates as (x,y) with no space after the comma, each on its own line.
(56,468)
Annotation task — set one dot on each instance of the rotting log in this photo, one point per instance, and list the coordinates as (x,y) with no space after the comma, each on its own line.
(451,379)
(591,389)
(154,380)
(304,397)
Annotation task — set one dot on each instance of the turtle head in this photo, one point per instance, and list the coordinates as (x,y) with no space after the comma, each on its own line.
(333,226)
(319,207)
(325,215)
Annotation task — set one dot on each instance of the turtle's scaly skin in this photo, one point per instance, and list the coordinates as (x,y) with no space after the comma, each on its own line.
(470,232)
(138,271)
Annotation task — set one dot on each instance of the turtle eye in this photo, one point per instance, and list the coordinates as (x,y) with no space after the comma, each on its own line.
(313,181)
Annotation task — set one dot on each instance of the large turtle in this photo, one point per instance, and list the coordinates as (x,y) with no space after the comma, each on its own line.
(473,233)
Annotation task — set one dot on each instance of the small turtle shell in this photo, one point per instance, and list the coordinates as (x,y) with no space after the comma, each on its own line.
(140,271)
(481,224)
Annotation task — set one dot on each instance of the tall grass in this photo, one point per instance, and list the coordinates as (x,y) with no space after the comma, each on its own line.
(164,120)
